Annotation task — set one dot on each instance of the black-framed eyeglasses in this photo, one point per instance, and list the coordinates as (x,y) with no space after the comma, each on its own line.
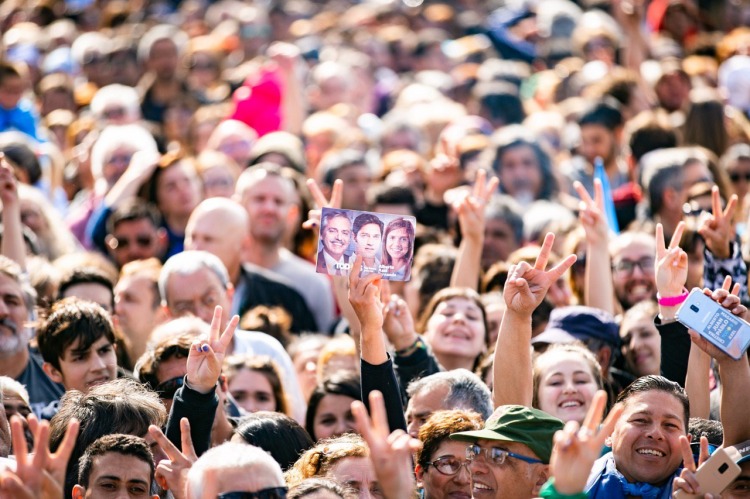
(628,266)
(269,493)
(167,389)
(497,456)
(450,465)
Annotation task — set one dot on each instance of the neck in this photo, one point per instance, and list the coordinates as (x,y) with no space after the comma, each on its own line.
(451,362)
(263,254)
(434,197)
(370,262)
(177,223)
(13,365)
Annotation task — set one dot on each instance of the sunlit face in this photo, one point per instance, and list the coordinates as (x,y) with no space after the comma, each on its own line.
(520,173)
(11,92)
(499,242)
(116,163)
(92,291)
(178,191)
(597,141)
(641,345)
(456,329)
(368,240)
(197,294)
(514,479)
(13,316)
(398,244)
(336,236)
(357,473)
(135,240)
(645,442)
(566,386)
(422,405)
(136,307)
(116,475)
(638,284)
(252,391)
(218,181)
(268,203)
(333,417)
(440,486)
(83,370)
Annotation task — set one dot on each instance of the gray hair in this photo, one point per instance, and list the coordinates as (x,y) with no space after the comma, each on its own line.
(232,456)
(465,390)
(190,262)
(116,94)
(505,208)
(134,137)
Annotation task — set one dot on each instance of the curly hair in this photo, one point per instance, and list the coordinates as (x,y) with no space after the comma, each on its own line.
(438,429)
(318,461)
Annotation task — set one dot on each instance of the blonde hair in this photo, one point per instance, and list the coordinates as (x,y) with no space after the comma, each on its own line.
(318,461)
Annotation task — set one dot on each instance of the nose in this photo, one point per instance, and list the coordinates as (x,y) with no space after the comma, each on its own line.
(3,309)
(464,474)
(570,386)
(637,271)
(364,493)
(413,429)
(655,432)
(98,363)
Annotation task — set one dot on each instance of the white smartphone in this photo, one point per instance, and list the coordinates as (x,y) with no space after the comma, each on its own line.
(715,323)
(716,474)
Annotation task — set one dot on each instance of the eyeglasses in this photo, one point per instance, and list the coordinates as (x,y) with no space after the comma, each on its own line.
(167,389)
(736,176)
(143,241)
(269,493)
(450,465)
(496,456)
(628,266)
(114,113)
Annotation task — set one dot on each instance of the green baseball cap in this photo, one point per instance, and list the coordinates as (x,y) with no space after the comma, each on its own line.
(516,423)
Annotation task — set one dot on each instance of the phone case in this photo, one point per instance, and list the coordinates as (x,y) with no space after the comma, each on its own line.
(715,323)
(714,475)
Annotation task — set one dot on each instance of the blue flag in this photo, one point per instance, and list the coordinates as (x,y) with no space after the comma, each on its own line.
(609,203)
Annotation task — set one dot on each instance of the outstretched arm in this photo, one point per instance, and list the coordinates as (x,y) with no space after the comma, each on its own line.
(524,291)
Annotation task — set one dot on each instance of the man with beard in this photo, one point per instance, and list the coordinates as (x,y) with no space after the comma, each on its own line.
(267,195)
(17,298)
(633,267)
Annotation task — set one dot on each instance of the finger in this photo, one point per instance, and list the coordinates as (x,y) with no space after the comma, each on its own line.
(736,289)
(228,334)
(19,440)
(677,236)
(687,454)
(166,445)
(491,188)
(33,423)
(727,283)
(186,440)
(541,260)
(704,452)
(337,194)
(378,413)
(595,412)
(68,443)
(731,208)
(479,184)
(599,194)
(362,421)
(660,249)
(716,203)
(215,324)
(317,194)
(558,270)
(385,291)
(41,446)
(583,193)
(608,426)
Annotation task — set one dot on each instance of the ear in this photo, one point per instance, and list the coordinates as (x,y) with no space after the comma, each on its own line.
(111,243)
(230,292)
(79,491)
(419,472)
(52,372)
(541,479)
(604,356)
(165,311)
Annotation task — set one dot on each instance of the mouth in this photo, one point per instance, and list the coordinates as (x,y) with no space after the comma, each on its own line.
(650,452)
(481,488)
(570,404)
(640,290)
(458,334)
(97,381)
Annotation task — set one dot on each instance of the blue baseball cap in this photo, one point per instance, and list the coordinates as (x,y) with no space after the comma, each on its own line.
(582,323)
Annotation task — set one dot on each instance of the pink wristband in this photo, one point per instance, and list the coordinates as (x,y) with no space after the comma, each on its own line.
(673,301)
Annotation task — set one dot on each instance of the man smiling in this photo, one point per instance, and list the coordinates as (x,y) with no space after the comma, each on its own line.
(336,233)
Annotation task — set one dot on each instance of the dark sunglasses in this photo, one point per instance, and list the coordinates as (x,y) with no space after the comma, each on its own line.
(270,493)
(735,176)
(167,389)
(142,241)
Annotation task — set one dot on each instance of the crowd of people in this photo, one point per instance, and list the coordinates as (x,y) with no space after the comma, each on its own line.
(374,249)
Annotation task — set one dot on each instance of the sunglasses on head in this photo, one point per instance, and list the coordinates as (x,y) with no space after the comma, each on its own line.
(167,389)
(269,493)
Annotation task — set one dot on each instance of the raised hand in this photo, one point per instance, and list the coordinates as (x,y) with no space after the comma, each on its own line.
(284,55)
(172,474)
(391,453)
(576,448)
(718,229)
(42,473)
(591,213)
(364,296)
(526,286)
(470,208)
(687,481)
(399,323)
(207,354)
(313,216)
(671,263)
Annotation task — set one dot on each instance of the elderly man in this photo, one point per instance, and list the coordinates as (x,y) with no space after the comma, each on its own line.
(194,283)
(237,470)
(220,226)
(510,455)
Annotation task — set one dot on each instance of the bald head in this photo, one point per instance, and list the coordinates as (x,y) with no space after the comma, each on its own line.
(219,226)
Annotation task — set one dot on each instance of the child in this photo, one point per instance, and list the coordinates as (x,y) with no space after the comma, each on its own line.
(16,113)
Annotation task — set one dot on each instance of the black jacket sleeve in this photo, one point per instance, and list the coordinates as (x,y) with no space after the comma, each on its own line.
(675,350)
(419,364)
(200,409)
(382,378)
